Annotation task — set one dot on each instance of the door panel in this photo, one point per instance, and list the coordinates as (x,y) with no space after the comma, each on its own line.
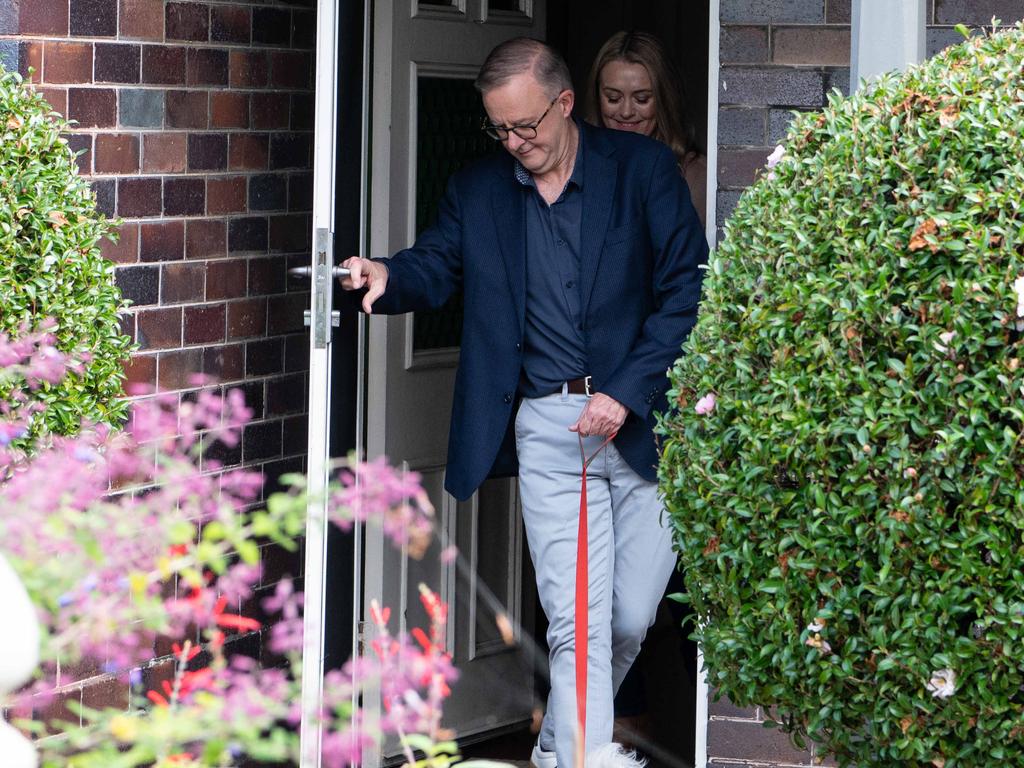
(425,119)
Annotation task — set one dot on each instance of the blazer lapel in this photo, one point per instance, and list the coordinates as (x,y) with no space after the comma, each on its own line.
(510,220)
(600,174)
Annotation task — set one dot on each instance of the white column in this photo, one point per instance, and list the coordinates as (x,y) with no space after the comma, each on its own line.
(885,35)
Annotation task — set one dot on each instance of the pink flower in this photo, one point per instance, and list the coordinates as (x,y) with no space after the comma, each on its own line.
(773,160)
(706,404)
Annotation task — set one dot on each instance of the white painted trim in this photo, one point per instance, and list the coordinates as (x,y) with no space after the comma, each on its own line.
(318,447)
(700,742)
(885,36)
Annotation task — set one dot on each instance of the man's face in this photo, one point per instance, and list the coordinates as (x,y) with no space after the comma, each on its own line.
(522,101)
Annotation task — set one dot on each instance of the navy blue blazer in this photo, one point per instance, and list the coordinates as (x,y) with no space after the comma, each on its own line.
(641,247)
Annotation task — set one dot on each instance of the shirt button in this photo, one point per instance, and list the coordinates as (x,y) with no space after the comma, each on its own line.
(519,347)
(508,397)
(569,284)
(561,242)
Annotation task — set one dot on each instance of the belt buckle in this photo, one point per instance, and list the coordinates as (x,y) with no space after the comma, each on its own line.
(586,387)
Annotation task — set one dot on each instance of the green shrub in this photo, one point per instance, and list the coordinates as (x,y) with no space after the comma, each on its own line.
(50,264)
(850,514)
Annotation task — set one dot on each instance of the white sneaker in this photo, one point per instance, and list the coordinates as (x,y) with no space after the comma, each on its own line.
(541,758)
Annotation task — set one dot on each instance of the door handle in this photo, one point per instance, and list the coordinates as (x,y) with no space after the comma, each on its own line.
(307,272)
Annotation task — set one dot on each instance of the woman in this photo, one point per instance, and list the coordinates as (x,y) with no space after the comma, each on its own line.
(633,86)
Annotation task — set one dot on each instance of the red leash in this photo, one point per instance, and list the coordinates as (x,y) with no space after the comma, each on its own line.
(583,602)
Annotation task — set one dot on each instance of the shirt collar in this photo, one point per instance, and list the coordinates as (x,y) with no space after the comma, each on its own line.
(525,178)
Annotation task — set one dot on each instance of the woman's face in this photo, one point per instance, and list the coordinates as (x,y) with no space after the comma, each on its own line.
(627,97)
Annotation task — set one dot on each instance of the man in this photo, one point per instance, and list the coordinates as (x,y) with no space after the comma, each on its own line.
(578,252)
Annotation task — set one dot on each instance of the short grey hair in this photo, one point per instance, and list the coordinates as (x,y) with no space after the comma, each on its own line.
(520,55)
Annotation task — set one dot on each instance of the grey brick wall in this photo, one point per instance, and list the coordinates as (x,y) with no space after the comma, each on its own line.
(777,57)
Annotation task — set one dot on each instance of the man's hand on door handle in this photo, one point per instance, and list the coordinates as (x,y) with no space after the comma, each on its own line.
(364,273)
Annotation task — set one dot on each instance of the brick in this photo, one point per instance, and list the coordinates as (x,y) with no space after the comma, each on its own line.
(775,86)
(224,363)
(270,110)
(29,60)
(163,65)
(178,369)
(117,153)
(205,325)
(247,234)
(230,24)
(300,192)
(159,328)
(93,18)
(247,69)
(303,29)
(289,150)
(267,276)
(739,167)
(118,63)
(838,79)
(162,241)
(225,280)
(736,739)
(268,192)
(741,126)
(142,19)
(287,394)
(207,66)
(92,107)
(821,46)
(248,151)
(184,196)
(140,285)
(975,12)
(837,11)
(43,17)
(80,145)
(126,249)
(141,108)
(163,152)
(743,45)
(296,351)
(105,192)
(302,112)
(261,440)
(183,283)
(264,357)
(207,152)
(57,98)
(106,693)
(140,374)
(939,38)
(285,313)
(772,11)
(206,239)
(229,109)
(296,435)
(725,708)
(725,204)
(187,109)
(67,62)
(290,233)
(226,195)
(139,197)
(290,69)
(187,21)
(271,26)
(779,121)
(247,318)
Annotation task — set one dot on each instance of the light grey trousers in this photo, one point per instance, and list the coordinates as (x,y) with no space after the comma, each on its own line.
(630,556)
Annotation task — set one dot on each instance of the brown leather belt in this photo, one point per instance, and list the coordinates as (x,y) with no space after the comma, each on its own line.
(580,386)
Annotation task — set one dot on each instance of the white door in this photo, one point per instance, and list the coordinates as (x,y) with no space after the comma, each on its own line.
(424,123)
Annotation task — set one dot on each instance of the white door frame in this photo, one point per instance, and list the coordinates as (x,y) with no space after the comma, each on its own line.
(700,742)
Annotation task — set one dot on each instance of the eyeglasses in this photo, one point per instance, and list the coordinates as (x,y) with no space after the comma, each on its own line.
(527,131)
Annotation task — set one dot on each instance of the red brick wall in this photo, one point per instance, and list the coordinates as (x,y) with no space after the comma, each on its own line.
(777,56)
(195,121)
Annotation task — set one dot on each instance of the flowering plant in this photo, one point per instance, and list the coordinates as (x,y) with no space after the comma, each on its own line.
(132,540)
(848,507)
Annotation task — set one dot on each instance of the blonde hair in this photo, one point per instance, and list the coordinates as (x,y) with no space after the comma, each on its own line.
(670,121)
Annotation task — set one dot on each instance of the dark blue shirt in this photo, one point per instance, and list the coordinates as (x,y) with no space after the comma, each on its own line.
(554,349)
